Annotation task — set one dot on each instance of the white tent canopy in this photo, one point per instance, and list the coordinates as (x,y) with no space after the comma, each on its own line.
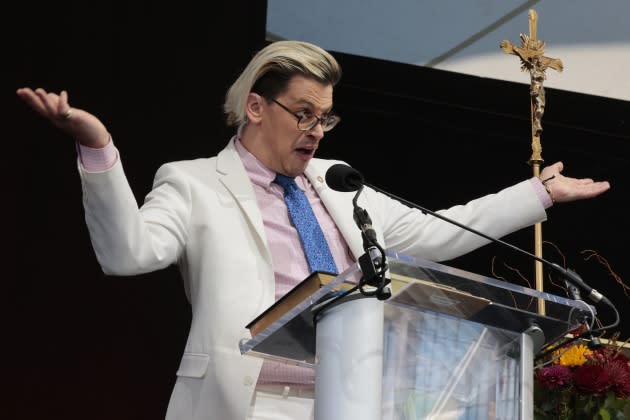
(591,38)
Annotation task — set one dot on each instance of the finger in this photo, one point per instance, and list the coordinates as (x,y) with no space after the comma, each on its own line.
(33,100)
(605,185)
(596,189)
(52,104)
(24,92)
(63,108)
(62,105)
(45,98)
(55,106)
(578,183)
(592,189)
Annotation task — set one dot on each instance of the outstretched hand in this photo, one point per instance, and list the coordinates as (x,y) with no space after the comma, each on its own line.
(81,125)
(564,189)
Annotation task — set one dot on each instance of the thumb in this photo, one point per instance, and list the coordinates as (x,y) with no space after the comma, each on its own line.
(558,166)
(551,170)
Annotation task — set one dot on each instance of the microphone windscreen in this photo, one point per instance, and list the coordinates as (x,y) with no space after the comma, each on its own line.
(343,178)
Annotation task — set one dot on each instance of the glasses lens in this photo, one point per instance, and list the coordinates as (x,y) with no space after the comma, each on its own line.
(330,122)
(307,122)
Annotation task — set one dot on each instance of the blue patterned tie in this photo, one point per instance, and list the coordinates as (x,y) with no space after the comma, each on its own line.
(311,235)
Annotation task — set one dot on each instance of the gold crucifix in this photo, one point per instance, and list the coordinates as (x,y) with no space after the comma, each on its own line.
(533,60)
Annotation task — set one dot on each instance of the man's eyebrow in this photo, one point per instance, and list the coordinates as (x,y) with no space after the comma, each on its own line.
(312,105)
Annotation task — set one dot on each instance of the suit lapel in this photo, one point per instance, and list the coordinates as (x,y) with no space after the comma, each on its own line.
(339,206)
(233,176)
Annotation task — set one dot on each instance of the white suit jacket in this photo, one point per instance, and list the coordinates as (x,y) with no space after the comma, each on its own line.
(203,216)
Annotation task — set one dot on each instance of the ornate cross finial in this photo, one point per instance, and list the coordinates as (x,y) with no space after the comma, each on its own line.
(533,59)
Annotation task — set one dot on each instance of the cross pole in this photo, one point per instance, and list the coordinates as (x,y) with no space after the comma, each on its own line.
(533,60)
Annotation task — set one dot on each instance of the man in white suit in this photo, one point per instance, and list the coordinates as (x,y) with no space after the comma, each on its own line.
(224,222)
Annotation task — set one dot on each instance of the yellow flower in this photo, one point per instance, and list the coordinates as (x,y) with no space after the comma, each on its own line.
(573,356)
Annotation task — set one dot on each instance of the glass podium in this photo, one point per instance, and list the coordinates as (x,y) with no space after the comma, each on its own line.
(448,344)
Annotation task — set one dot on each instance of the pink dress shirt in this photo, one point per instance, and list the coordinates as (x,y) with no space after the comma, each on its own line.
(289,261)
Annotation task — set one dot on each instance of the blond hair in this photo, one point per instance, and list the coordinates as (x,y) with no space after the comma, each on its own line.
(270,70)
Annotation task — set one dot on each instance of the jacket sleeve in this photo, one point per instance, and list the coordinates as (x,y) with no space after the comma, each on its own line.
(413,233)
(130,240)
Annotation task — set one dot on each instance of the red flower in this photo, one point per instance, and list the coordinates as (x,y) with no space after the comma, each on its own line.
(619,373)
(554,376)
(590,379)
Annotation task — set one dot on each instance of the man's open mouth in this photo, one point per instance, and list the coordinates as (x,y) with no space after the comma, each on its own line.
(305,151)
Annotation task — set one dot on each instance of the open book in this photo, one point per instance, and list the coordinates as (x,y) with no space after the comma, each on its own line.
(295,296)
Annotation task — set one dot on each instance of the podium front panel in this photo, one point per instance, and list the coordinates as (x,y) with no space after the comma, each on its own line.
(437,366)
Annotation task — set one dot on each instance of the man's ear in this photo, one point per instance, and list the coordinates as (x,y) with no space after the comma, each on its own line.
(254,107)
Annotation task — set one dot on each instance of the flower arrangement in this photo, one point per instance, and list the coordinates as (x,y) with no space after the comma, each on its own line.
(579,383)
(575,381)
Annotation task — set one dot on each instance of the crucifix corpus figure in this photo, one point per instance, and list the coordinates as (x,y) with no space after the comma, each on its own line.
(531,52)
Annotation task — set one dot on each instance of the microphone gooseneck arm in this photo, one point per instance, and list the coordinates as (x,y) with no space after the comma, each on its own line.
(572,276)
(373,263)
(569,275)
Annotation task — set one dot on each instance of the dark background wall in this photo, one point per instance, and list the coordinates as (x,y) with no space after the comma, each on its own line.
(79,344)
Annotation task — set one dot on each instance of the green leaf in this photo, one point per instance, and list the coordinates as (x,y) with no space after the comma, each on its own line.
(604,414)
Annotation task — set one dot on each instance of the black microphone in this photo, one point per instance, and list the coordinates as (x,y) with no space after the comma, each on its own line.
(574,292)
(373,263)
(344,178)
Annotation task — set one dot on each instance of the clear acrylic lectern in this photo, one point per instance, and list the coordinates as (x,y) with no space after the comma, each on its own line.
(448,344)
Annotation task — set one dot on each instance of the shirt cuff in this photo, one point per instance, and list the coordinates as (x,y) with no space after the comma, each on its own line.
(97,159)
(541,192)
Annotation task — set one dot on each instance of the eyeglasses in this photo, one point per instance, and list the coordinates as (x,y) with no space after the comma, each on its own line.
(307,121)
